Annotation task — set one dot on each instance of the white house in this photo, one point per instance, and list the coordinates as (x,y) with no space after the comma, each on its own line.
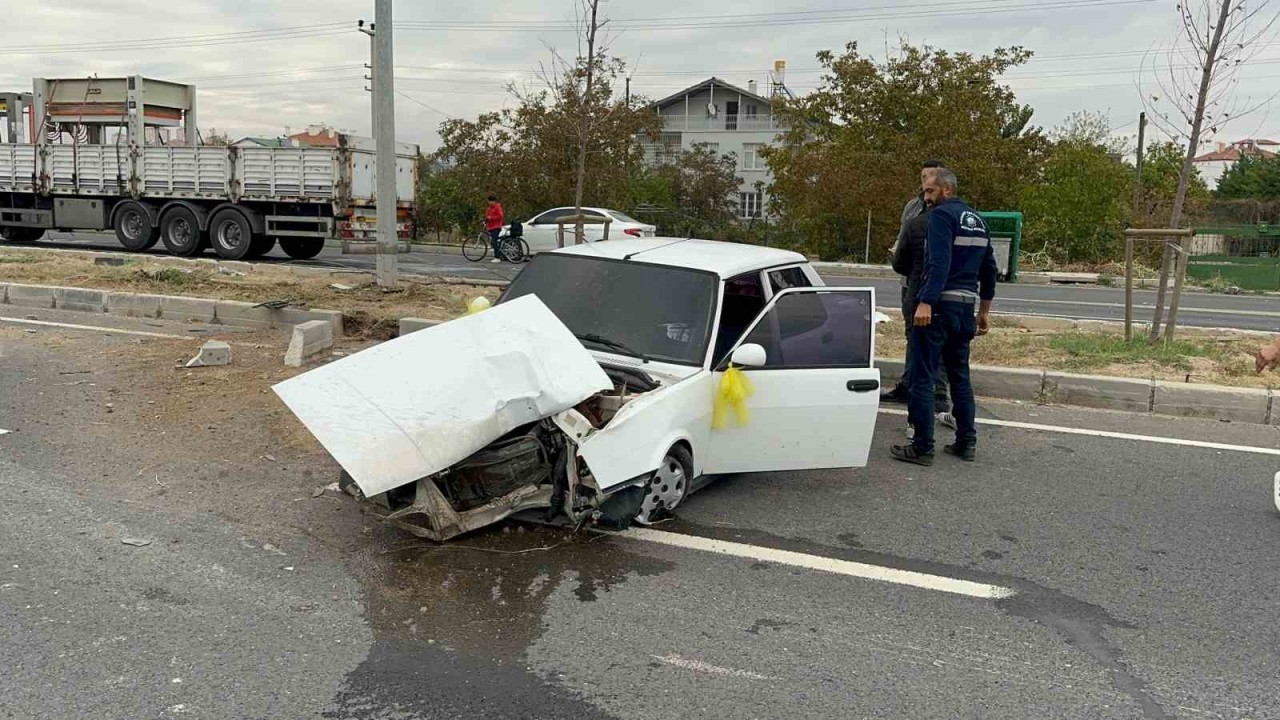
(1212,165)
(728,118)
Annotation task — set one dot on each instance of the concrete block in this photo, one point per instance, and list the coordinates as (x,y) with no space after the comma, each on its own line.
(184,309)
(1032,322)
(79,300)
(136,305)
(310,339)
(212,354)
(243,314)
(1097,391)
(408,325)
(32,296)
(1007,383)
(1248,405)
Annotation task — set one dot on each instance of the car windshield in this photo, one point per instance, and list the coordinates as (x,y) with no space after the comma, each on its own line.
(658,312)
(623,218)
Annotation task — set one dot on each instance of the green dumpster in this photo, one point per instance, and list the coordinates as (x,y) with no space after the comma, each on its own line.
(1005,230)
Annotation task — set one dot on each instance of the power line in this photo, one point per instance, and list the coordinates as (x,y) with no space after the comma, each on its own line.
(412,99)
(734,21)
(180,42)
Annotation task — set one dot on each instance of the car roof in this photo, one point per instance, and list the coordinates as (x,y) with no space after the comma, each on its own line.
(722,258)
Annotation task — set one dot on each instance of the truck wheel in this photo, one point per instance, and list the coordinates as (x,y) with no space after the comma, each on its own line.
(231,234)
(302,248)
(261,245)
(668,486)
(133,228)
(180,232)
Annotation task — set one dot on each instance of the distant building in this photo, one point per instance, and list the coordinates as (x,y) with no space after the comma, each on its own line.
(316,136)
(1212,165)
(729,119)
(275,142)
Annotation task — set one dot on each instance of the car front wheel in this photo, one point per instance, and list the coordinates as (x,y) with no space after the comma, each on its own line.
(667,487)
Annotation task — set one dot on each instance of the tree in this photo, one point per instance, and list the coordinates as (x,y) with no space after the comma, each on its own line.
(1076,209)
(695,188)
(1251,178)
(1161,174)
(858,141)
(1217,38)
(528,155)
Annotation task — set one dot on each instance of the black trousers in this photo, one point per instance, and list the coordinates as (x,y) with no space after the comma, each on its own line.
(940,391)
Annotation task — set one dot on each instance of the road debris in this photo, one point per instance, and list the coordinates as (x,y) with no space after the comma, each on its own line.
(229,271)
(342,288)
(268,458)
(212,354)
(320,490)
(136,542)
(110,261)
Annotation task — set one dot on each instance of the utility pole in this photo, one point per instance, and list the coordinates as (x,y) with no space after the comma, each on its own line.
(384,123)
(1137,189)
(373,51)
(628,95)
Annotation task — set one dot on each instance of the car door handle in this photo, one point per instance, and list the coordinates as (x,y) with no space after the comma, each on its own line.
(863,386)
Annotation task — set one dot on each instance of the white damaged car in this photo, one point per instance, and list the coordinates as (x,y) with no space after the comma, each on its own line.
(588,391)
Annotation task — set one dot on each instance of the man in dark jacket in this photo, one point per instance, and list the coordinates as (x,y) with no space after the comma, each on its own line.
(908,261)
(959,278)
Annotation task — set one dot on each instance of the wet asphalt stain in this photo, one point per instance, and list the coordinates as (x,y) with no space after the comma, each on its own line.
(850,539)
(767,624)
(991,555)
(1079,623)
(451,621)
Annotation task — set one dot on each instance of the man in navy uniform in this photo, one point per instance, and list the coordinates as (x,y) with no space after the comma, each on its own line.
(959,277)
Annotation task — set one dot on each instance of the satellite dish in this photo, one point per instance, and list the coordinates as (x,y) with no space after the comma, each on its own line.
(711,109)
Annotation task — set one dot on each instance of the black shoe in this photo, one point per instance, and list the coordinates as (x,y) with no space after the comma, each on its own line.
(898,396)
(966,453)
(912,454)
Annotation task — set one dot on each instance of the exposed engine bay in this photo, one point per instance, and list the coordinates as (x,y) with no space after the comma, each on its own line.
(535,466)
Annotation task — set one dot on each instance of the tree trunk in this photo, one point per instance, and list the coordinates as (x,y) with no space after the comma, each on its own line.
(584,123)
(1184,178)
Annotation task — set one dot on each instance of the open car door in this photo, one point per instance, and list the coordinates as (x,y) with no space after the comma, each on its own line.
(816,388)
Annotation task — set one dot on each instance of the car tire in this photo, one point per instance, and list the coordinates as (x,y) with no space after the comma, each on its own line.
(302,248)
(180,232)
(133,227)
(667,487)
(231,234)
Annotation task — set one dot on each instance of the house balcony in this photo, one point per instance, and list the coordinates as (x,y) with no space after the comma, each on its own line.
(720,123)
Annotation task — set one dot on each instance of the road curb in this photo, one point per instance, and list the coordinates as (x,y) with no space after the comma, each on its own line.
(1217,402)
(168,307)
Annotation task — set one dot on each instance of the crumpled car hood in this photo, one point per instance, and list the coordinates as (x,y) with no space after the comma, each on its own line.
(416,405)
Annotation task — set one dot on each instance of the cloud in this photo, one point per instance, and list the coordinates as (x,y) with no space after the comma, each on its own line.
(314,73)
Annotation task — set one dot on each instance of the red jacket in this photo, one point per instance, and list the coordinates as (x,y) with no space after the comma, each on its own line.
(493,218)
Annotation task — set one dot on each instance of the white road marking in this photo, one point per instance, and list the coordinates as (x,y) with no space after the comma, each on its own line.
(1114,435)
(70,326)
(699,666)
(821,564)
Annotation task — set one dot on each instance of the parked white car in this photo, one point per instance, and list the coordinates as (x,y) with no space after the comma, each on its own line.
(588,390)
(540,230)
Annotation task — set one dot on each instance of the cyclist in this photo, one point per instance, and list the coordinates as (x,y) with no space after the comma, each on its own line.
(494,219)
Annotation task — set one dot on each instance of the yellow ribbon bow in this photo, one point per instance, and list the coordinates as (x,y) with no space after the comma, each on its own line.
(733,392)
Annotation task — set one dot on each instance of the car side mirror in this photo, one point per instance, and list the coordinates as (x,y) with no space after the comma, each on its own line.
(749,355)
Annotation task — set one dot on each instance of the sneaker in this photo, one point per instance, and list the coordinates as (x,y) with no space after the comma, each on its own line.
(946,419)
(912,454)
(495,261)
(911,431)
(966,453)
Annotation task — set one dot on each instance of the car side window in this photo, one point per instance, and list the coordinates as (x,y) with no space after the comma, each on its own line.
(743,301)
(791,277)
(823,329)
(548,218)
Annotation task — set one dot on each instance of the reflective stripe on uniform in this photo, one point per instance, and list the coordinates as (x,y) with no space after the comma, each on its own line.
(972,241)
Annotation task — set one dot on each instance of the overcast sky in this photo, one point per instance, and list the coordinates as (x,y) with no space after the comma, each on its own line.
(309,70)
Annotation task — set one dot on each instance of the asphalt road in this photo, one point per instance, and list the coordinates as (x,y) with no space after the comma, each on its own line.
(1143,573)
(1244,312)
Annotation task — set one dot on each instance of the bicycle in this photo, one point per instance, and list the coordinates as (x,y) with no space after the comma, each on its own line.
(511,249)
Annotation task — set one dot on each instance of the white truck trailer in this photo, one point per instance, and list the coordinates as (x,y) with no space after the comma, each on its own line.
(92,154)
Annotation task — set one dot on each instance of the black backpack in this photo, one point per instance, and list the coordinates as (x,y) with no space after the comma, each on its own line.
(516,229)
